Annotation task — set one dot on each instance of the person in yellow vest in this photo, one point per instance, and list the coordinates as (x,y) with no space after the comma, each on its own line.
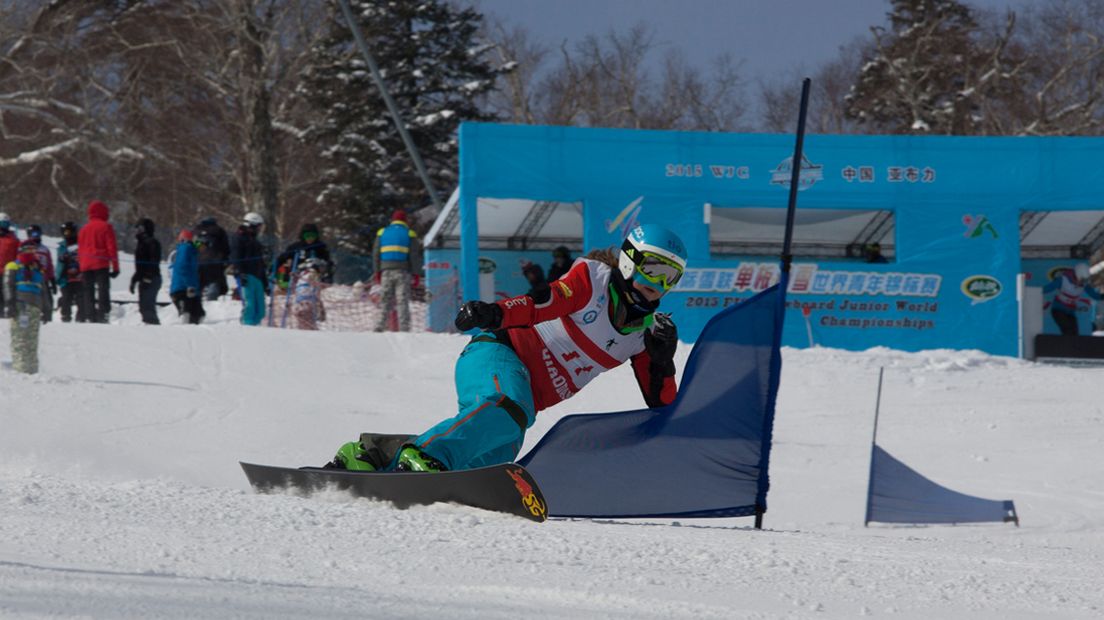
(24,278)
(396,256)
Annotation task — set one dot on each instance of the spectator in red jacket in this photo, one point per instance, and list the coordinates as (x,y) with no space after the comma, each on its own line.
(99,260)
(9,247)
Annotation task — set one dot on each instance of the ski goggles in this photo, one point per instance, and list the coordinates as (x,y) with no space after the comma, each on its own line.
(310,237)
(658,271)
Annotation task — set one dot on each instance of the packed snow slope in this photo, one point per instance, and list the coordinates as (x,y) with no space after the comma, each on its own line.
(121,495)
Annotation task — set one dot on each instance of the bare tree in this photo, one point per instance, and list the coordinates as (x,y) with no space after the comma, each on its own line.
(522,60)
(229,115)
(173,109)
(611,81)
(55,108)
(831,83)
(1064,74)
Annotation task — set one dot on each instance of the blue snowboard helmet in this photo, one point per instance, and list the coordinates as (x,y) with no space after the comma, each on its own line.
(653,256)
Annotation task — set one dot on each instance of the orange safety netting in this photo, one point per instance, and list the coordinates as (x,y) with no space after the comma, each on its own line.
(339,308)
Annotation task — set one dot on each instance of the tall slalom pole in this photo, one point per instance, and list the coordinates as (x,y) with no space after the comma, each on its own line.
(795,176)
(391,107)
(780,311)
(873,443)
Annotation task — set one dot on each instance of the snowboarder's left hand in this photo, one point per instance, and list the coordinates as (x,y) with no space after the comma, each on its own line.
(662,339)
(478,314)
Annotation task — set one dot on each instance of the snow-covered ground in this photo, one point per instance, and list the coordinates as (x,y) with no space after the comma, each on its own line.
(121,496)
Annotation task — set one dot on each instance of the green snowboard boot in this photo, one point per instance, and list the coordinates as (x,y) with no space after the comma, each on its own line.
(413,459)
(353,457)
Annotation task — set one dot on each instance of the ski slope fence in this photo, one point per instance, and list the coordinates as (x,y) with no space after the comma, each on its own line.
(342,308)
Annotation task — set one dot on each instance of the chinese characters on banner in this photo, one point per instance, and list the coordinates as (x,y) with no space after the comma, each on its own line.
(808,279)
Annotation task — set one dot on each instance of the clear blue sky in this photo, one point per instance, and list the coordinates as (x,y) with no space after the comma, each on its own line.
(770,36)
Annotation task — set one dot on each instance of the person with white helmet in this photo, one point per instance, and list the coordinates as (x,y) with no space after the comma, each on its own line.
(9,248)
(247,264)
(1071,286)
(530,356)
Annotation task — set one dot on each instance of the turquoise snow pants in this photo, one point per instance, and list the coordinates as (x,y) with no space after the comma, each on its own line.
(496,407)
(253,300)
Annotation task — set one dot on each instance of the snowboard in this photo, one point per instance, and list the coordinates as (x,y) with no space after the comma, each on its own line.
(506,488)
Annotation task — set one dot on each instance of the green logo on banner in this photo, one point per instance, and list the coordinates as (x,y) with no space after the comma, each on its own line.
(486,265)
(981,288)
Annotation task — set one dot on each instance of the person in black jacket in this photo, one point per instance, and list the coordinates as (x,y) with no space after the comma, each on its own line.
(561,263)
(309,245)
(538,286)
(247,264)
(214,251)
(147,271)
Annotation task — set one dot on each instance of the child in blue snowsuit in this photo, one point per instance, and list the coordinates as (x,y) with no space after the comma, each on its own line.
(184,289)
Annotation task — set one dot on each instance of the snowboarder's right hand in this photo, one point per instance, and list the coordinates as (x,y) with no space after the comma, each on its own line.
(478,314)
(662,339)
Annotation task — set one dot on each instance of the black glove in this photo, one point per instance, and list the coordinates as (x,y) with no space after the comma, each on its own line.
(662,339)
(478,314)
(133,283)
(191,292)
(114,274)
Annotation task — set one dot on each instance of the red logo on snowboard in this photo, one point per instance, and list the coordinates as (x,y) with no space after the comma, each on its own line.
(528,497)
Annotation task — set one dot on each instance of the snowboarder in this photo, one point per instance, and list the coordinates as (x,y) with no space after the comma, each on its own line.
(247,263)
(184,288)
(147,271)
(25,281)
(1071,285)
(46,266)
(9,247)
(69,275)
(528,358)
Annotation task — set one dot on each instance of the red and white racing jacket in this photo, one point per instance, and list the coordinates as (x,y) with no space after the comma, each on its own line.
(569,340)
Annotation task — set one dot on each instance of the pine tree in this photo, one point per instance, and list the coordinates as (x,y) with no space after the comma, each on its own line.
(930,72)
(435,70)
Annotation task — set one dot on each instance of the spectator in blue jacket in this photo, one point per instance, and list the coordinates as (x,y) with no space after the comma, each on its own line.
(184,289)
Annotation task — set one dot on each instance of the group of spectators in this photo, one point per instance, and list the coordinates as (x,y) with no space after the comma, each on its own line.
(81,278)
(202,260)
(31,281)
(205,256)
